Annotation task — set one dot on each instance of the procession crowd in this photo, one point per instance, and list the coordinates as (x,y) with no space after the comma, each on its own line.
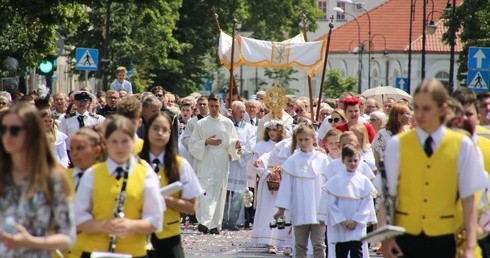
(82,173)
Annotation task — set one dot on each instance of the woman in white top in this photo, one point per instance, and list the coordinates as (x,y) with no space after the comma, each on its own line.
(59,150)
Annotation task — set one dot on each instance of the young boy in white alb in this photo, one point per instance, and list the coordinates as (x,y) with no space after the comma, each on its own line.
(350,206)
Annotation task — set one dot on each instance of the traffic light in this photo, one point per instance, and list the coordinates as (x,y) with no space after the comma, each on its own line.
(104,66)
(47,66)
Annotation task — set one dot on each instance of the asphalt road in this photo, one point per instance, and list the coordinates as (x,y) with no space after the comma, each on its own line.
(227,244)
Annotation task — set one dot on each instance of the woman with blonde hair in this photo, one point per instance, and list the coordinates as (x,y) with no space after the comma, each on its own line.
(59,150)
(35,195)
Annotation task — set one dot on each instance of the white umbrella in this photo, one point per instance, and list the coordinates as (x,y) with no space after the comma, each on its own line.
(382,93)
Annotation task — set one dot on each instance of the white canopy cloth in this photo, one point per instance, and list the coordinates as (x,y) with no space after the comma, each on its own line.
(294,52)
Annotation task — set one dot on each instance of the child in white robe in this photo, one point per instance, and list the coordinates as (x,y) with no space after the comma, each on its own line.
(336,166)
(300,191)
(264,162)
(350,205)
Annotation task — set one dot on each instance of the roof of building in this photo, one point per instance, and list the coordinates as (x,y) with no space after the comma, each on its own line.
(391,21)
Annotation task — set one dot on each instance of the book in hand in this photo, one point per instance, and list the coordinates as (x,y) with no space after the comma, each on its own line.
(171,188)
(109,255)
(383,233)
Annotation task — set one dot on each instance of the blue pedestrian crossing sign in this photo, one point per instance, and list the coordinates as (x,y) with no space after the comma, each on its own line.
(87,59)
(478,80)
(479,58)
(401,83)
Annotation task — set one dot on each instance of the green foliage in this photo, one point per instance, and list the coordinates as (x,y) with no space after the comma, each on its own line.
(335,83)
(282,77)
(168,42)
(472,19)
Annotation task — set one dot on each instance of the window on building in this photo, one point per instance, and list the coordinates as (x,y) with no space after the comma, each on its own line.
(322,5)
(375,79)
(443,77)
(341,16)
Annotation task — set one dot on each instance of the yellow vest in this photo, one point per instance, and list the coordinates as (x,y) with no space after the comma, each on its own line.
(138,146)
(484,145)
(428,187)
(106,190)
(171,217)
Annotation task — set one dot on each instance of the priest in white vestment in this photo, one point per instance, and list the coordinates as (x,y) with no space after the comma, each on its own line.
(214,141)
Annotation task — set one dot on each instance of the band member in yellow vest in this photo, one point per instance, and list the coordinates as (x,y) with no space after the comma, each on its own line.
(111,224)
(467,116)
(428,169)
(86,149)
(159,150)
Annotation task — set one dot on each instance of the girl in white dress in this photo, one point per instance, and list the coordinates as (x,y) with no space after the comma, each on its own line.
(264,166)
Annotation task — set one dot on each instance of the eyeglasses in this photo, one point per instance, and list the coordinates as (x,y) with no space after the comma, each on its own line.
(14,130)
(159,95)
(335,120)
(3,103)
(299,110)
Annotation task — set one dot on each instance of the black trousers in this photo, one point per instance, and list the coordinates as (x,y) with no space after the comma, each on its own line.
(423,246)
(169,247)
(485,246)
(87,255)
(250,212)
(343,249)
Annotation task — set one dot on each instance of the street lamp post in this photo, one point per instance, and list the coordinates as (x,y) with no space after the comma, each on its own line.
(369,36)
(413,3)
(107,43)
(360,47)
(385,54)
(452,42)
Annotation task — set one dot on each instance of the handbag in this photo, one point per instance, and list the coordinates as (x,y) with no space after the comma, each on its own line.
(274,180)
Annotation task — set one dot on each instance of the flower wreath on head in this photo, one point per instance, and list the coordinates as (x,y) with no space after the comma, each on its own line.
(272,123)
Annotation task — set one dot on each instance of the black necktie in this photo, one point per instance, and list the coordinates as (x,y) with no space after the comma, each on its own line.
(428,146)
(156,165)
(237,124)
(79,175)
(119,172)
(80,121)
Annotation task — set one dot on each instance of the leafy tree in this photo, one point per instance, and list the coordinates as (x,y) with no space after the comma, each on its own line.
(27,30)
(336,83)
(472,19)
(282,77)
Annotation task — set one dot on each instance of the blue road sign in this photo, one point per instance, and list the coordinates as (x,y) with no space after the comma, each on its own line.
(87,59)
(479,58)
(478,80)
(401,83)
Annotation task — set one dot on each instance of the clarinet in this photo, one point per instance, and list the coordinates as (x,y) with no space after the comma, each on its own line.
(119,211)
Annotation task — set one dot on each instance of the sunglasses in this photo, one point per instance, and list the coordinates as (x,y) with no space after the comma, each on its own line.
(159,95)
(335,120)
(3,103)
(13,130)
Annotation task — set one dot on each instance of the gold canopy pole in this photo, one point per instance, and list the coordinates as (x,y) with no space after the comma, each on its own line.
(310,91)
(330,25)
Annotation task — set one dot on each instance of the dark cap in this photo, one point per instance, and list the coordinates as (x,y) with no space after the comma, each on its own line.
(83,95)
